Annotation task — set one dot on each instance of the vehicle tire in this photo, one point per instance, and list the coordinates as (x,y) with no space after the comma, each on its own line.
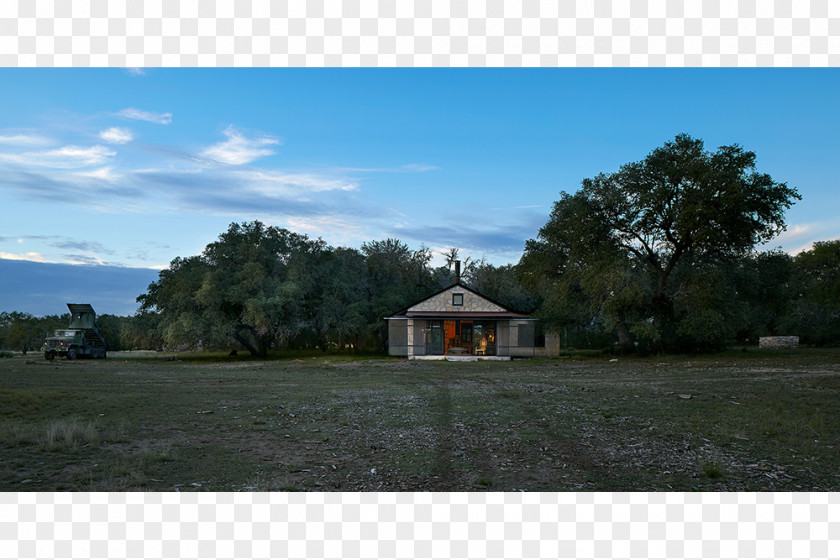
(71,354)
(49,355)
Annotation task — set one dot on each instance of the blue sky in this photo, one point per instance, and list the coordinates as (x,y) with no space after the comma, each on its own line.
(117,167)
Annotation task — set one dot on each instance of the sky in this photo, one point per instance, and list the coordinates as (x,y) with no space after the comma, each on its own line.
(130,168)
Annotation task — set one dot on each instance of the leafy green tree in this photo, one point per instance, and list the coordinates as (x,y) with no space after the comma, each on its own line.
(338,301)
(111,327)
(25,332)
(501,284)
(173,298)
(623,235)
(397,276)
(817,280)
(141,332)
(246,287)
(763,286)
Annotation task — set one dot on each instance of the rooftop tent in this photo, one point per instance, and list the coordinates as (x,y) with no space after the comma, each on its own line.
(82,316)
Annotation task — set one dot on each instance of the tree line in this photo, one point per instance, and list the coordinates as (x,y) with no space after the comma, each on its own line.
(24,332)
(261,287)
(658,256)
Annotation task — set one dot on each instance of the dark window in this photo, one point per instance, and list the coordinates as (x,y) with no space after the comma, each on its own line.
(457,299)
(539,336)
(525,338)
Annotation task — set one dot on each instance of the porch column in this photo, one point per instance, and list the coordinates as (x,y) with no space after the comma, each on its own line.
(410,335)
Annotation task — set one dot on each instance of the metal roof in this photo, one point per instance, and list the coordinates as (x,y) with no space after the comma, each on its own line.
(404,312)
(80,308)
(466,314)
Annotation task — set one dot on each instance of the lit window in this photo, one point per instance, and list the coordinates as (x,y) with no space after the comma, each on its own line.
(457,299)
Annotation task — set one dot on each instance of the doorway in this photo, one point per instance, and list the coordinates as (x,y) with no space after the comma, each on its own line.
(434,338)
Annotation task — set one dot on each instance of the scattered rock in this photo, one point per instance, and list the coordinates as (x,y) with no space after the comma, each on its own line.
(686,397)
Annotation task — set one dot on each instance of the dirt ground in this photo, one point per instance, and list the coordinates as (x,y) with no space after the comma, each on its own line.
(739,421)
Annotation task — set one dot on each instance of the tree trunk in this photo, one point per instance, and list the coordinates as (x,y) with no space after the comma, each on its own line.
(256,348)
(625,339)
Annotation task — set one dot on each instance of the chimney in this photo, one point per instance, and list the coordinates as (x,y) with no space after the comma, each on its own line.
(457,272)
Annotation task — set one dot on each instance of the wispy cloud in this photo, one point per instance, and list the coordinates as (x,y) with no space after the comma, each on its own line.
(24,140)
(408,168)
(80,245)
(801,237)
(419,167)
(87,260)
(499,239)
(23,238)
(525,207)
(244,192)
(103,174)
(117,135)
(66,157)
(34,257)
(238,149)
(278,183)
(148,116)
(340,230)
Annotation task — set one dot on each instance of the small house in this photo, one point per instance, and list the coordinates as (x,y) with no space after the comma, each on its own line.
(458,321)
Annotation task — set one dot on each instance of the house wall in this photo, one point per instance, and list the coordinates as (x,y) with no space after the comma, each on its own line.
(406,338)
(521,338)
(503,338)
(443,302)
(552,346)
(397,337)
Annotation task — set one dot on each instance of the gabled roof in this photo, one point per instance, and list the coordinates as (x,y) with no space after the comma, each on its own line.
(501,313)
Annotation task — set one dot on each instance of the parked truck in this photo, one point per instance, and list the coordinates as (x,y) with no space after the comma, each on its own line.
(80,340)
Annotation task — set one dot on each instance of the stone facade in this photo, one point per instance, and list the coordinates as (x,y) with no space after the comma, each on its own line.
(442,302)
(778,342)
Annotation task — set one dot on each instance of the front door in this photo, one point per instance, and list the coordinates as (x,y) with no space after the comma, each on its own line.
(466,334)
(434,338)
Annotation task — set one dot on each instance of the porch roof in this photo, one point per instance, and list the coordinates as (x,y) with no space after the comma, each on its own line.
(465,315)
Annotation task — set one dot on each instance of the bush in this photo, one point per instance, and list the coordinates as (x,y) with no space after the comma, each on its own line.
(6,354)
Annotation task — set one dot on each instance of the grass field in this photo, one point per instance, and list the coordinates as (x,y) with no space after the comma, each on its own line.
(756,420)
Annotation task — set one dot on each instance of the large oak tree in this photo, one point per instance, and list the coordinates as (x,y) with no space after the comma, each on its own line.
(249,286)
(622,237)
